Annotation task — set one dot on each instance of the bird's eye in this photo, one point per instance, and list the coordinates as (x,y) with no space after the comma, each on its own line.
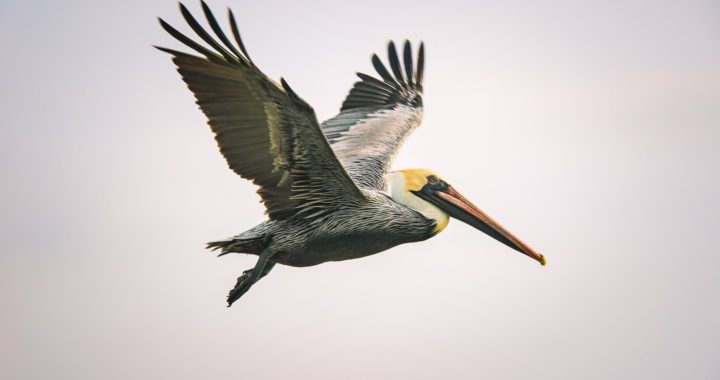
(432,179)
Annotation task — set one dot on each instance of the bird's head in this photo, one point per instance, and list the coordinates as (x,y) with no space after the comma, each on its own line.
(427,193)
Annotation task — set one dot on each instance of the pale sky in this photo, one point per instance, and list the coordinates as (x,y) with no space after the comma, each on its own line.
(592,131)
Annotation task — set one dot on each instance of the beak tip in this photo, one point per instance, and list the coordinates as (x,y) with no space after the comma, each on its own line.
(542,260)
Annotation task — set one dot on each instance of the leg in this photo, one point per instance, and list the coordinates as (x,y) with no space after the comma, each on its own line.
(251,276)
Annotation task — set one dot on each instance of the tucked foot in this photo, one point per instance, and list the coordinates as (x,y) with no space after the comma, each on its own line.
(243,284)
(246,280)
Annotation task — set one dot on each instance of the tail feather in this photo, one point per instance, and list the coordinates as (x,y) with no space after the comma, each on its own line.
(253,245)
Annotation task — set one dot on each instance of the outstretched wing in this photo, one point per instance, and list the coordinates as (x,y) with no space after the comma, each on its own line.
(265,131)
(377,116)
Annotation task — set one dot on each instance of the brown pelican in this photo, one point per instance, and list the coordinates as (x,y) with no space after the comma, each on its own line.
(327,188)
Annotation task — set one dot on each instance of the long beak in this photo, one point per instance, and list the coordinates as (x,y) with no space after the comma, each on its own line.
(462,209)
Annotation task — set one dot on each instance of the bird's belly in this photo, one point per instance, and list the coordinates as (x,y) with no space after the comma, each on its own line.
(339,248)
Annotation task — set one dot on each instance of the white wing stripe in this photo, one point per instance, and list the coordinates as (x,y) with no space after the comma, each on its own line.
(367,148)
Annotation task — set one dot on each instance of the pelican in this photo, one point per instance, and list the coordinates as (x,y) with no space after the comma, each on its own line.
(327,187)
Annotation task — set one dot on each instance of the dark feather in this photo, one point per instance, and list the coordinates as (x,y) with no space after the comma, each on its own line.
(393,89)
(190,43)
(377,83)
(370,88)
(218,30)
(380,68)
(236,34)
(408,61)
(420,65)
(395,62)
(204,35)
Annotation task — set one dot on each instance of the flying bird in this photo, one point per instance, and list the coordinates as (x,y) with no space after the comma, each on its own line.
(328,189)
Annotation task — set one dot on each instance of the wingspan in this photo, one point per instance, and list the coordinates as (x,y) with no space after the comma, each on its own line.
(265,131)
(377,116)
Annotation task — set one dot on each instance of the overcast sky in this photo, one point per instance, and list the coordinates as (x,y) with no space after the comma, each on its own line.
(592,131)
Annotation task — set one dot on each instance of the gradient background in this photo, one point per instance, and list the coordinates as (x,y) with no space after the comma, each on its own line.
(591,130)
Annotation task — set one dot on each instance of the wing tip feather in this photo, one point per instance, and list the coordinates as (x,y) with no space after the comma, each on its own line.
(391,88)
